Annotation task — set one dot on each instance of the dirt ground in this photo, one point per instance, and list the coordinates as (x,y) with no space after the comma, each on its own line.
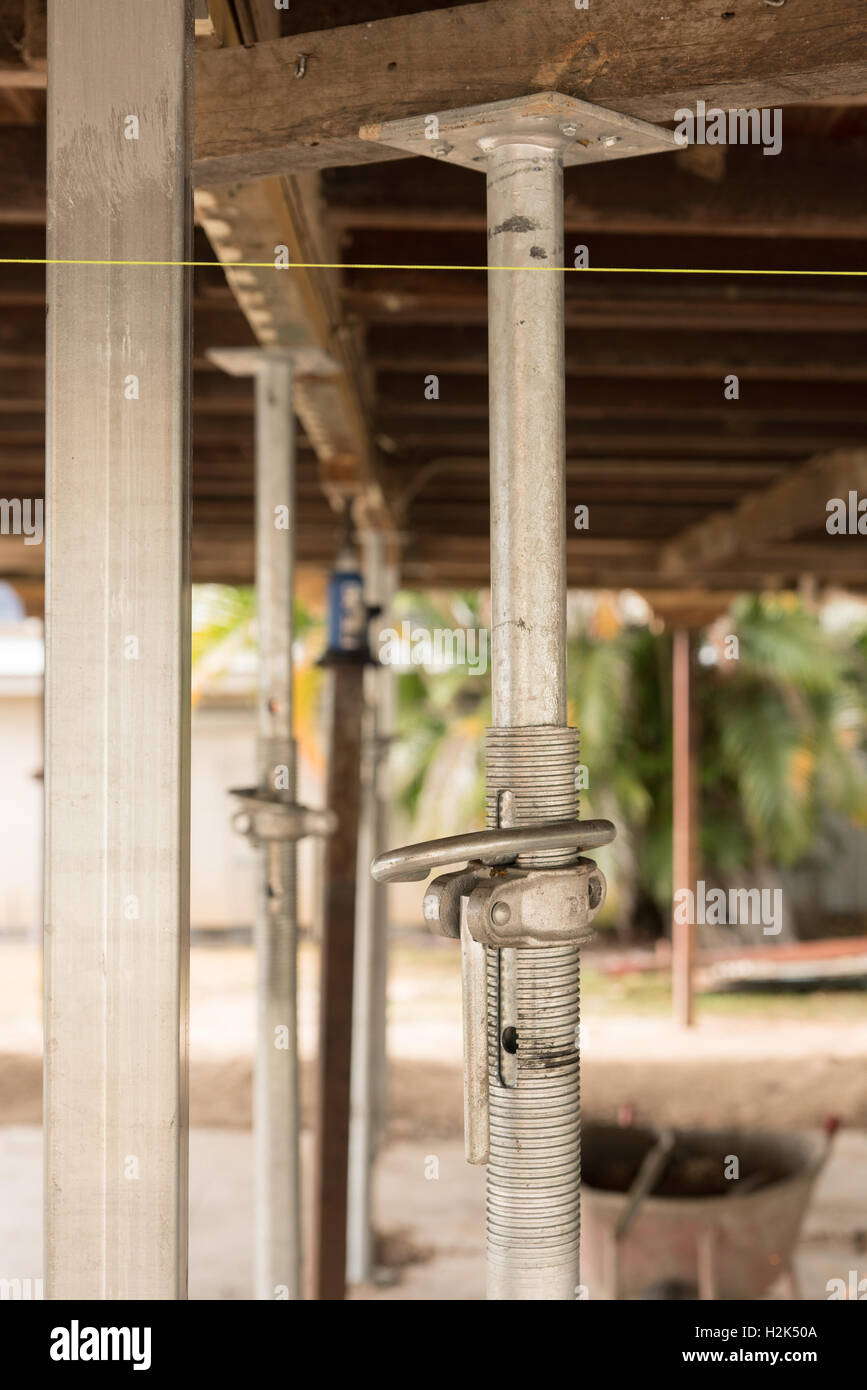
(785,1061)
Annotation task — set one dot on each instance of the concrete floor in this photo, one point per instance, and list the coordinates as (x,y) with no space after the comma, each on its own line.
(775,1063)
(432,1228)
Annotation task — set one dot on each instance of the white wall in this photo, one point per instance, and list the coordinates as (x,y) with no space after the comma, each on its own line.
(222,864)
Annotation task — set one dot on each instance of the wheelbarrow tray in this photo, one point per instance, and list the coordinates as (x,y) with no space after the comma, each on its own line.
(731,1246)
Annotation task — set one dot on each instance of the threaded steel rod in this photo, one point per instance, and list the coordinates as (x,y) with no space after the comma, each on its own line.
(533,994)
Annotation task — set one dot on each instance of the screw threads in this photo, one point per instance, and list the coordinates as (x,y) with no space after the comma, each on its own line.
(534,1169)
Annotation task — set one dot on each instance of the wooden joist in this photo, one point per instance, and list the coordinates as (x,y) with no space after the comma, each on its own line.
(589,396)
(693,254)
(642,436)
(769,356)
(624,562)
(278,105)
(635,303)
(795,505)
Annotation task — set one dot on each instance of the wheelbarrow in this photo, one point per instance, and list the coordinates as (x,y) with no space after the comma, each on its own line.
(694,1213)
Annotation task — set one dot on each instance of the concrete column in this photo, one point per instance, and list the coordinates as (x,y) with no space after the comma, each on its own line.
(118,650)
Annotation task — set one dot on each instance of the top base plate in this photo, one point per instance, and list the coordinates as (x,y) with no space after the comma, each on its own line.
(585,134)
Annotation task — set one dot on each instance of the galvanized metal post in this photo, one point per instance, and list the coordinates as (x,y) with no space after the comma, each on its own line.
(276,1115)
(527,415)
(683,827)
(274,823)
(371,929)
(523,1119)
(534,1165)
(276,1124)
(118,649)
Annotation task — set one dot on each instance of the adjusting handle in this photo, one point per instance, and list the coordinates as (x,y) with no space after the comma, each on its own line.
(413,863)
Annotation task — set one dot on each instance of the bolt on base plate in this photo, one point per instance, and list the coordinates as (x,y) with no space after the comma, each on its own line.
(585,133)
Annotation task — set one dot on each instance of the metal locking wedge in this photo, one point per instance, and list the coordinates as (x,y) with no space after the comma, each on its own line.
(495,903)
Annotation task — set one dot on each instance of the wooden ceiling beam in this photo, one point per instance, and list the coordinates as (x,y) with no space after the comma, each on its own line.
(622,54)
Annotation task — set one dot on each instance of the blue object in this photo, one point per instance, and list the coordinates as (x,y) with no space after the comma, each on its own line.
(347,611)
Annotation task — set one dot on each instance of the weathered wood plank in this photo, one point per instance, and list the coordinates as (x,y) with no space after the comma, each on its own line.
(259,111)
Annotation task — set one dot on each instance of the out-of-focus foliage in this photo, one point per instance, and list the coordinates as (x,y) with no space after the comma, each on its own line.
(783,731)
(783,725)
(224,646)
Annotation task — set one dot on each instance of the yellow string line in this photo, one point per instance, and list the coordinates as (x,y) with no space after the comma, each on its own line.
(358,265)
